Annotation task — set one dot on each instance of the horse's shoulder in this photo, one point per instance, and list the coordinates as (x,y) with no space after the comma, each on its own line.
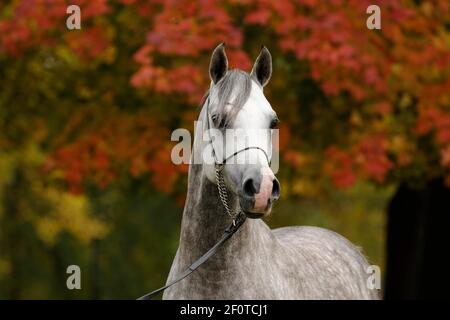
(329,262)
(318,241)
(306,233)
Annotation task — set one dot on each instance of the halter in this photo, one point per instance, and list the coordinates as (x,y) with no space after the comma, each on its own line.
(219,165)
(238,217)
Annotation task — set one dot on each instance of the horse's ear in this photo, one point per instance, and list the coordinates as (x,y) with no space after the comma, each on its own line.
(262,69)
(219,63)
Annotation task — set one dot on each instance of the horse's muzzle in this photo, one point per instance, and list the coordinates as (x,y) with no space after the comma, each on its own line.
(260,189)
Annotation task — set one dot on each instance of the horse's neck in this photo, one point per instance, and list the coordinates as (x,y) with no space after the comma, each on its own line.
(205,219)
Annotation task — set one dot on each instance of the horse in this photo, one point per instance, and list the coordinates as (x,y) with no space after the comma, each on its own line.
(302,262)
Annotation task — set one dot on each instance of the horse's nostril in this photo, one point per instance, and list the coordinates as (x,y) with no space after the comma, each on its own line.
(275,189)
(249,187)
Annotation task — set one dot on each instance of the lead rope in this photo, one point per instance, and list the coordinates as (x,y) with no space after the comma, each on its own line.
(238,219)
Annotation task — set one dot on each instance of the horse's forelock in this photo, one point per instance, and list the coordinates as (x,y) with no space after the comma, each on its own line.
(234,88)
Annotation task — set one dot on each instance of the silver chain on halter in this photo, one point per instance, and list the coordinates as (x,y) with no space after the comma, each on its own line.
(223,192)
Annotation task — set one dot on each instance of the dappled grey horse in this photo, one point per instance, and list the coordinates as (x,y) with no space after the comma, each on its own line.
(257,262)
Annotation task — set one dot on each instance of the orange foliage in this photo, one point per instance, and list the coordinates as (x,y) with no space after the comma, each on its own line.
(370,70)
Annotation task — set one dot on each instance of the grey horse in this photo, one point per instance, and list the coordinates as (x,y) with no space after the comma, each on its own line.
(256,263)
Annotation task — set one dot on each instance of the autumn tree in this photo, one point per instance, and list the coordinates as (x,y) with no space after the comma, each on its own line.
(96,106)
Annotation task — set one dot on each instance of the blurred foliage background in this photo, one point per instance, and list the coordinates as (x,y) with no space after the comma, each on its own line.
(86,117)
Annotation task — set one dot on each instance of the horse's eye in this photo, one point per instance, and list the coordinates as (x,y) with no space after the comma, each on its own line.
(274,123)
(215,118)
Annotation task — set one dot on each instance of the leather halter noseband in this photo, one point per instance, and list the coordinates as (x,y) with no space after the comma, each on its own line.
(238,218)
